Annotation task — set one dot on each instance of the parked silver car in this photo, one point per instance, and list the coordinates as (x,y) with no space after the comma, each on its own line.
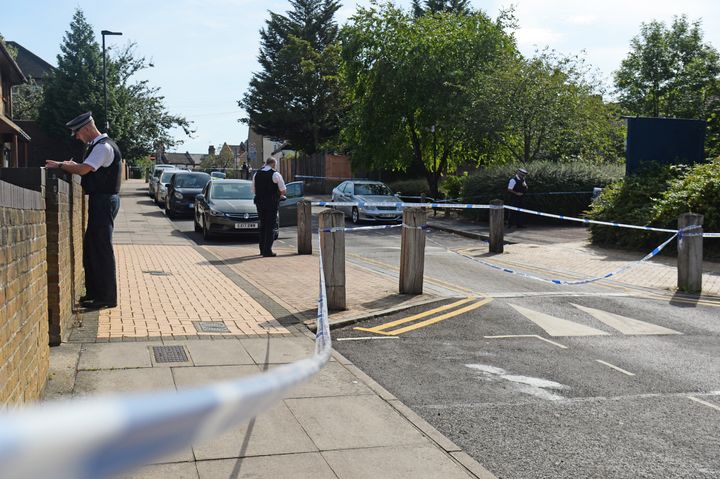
(364,191)
(154,177)
(162,184)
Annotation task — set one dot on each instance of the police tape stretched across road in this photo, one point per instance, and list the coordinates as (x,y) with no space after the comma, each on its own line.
(101,437)
(401,204)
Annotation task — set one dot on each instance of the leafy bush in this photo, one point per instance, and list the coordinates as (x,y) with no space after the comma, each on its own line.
(451,186)
(415,187)
(656,197)
(574,180)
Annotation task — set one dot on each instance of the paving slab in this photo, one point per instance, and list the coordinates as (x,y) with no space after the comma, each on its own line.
(332,380)
(273,432)
(90,383)
(287,466)
(282,350)
(187,377)
(182,470)
(115,356)
(63,366)
(218,352)
(347,422)
(397,462)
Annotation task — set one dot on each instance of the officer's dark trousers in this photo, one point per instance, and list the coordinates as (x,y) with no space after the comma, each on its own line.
(268,218)
(98,255)
(515,218)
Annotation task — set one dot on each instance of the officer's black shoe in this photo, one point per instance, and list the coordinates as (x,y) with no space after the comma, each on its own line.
(270,255)
(86,297)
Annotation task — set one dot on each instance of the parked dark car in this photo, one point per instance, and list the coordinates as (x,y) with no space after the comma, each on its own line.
(182,190)
(371,192)
(225,207)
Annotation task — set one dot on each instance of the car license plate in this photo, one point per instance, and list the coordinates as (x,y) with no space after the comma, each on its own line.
(387,216)
(242,226)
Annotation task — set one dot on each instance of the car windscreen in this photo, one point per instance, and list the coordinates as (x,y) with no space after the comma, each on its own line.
(165,178)
(191,181)
(232,191)
(372,189)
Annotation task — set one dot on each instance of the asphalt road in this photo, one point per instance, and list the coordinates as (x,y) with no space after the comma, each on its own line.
(536,380)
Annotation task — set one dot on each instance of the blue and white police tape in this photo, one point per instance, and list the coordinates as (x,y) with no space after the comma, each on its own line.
(587,221)
(579,281)
(366,228)
(400,205)
(101,437)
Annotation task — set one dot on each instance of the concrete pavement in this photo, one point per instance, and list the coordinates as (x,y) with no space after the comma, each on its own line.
(233,313)
(341,424)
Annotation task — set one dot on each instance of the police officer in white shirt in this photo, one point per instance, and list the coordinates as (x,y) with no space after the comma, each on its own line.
(100,171)
(517,187)
(269,189)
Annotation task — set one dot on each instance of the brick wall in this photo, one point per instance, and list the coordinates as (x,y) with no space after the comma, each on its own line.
(59,255)
(24,351)
(77,224)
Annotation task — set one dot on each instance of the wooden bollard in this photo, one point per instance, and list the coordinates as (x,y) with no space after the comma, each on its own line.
(497,226)
(690,254)
(332,246)
(412,251)
(304,227)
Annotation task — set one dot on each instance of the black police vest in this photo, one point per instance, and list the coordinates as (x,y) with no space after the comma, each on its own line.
(519,186)
(104,180)
(267,193)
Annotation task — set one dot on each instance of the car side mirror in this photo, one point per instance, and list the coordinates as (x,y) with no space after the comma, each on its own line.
(200,197)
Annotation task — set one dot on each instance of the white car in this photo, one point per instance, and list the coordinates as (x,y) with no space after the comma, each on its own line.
(162,184)
(364,191)
(154,177)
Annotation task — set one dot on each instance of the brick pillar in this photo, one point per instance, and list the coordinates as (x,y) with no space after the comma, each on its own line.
(24,351)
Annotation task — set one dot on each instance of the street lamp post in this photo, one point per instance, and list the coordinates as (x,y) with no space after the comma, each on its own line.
(104,33)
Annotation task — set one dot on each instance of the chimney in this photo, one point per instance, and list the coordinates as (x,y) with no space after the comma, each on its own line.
(211,150)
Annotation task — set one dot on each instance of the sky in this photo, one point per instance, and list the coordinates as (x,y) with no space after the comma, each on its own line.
(204,52)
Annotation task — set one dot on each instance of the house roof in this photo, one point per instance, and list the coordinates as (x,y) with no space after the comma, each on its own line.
(9,67)
(183,158)
(31,65)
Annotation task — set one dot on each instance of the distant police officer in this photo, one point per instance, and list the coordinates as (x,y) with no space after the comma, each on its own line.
(269,188)
(517,187)
(100,173)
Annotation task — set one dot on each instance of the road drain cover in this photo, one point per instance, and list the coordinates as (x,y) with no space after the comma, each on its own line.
(169,354)
(210,327)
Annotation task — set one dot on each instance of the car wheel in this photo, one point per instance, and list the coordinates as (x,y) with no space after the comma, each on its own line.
(198,228)
(206,231)
(355,218)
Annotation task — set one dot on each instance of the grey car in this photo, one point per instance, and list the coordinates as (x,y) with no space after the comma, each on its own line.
(162,186)
(226,207)
(365,191)
(154,177)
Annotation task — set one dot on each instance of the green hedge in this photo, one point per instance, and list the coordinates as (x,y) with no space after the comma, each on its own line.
(576,178)
(414,187)
(656,197)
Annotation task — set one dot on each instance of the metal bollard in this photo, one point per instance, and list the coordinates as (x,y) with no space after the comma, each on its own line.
(412,251)
(690,254)
(304,227)
(332,246)
(497,226)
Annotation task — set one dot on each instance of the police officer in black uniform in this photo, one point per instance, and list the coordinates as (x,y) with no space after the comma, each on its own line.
(517,187)
(269,189)
(100,171)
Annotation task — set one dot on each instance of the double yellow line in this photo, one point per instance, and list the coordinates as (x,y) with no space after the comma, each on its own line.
(383,328)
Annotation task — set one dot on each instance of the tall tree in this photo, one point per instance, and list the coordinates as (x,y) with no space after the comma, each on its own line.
(546,107)
(461,7)
(407,86)
(295,97)
(139,118)
(669,71)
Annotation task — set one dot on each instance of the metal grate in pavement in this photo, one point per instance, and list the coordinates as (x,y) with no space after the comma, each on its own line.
(169,354)
(210,327)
